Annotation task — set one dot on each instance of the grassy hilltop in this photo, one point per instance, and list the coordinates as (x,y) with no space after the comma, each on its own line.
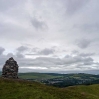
(20,89)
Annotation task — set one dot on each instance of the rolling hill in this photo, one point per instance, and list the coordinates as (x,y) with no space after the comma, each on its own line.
(22,89)
(61,80)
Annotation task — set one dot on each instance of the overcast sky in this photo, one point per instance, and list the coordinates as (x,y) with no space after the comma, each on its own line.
(50,35)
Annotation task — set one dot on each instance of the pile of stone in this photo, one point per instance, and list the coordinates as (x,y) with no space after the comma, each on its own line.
(10,69)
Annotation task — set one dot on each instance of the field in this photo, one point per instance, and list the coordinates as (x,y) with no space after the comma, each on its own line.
(61,80)
(39,76)
(22,89)
(46,76)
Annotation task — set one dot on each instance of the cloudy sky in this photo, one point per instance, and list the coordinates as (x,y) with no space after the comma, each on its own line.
(50,35)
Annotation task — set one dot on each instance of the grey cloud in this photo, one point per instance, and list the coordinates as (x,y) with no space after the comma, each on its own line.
(83,43)
(39,24)
(19,55)
(32,54)
(57,63)
(86,54)
(1,50)
(46,51)
(22,49)
(88,27)
(10,55)
(3,58)
(75,5)
(76,59)
(2,61)
(51,63)
(6,5)
(75,52)
(40,62)
(22,22)
(88,63)
(35,49)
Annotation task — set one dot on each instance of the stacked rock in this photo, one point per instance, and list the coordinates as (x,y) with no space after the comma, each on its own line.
(10,69)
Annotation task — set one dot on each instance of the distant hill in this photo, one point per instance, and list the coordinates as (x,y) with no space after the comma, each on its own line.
(61,80)
(21,89)
(0,72)
(55,75)
(39,76)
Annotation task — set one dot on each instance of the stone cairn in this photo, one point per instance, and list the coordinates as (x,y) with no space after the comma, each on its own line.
(10,69)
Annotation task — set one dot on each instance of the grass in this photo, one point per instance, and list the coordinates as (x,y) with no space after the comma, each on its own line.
(21,89)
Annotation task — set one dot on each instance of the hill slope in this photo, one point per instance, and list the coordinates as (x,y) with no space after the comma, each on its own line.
(18,89)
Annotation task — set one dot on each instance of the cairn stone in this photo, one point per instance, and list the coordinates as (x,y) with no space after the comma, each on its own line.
(10,69)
